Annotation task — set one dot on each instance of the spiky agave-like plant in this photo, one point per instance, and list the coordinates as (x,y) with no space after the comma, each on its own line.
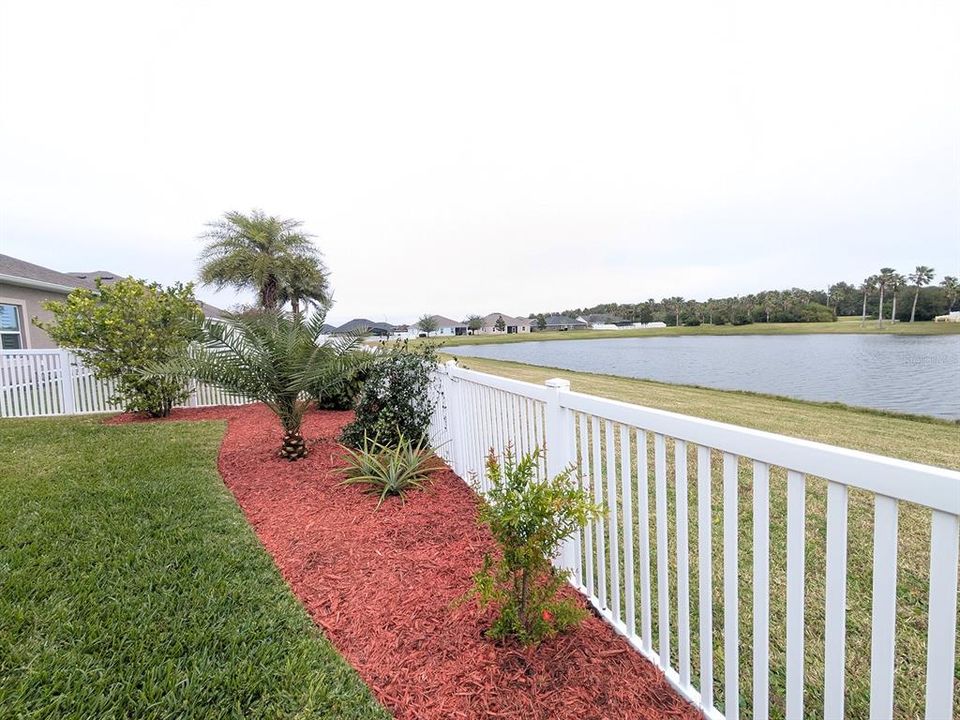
(273,357)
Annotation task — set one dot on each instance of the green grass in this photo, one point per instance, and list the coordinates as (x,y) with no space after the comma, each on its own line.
(911,438)
(132,586)
(843,326)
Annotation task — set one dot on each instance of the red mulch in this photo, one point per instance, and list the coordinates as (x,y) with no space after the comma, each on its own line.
(383,586)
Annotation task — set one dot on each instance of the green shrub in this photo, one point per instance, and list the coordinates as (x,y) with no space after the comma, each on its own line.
(121,328)
(395,401)
(529,519)
(344,396)
(391,470)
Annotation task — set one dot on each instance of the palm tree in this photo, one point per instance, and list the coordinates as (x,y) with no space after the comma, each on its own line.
(255,251)
(675,303)
(305,281)
(883,281)
(868,284)
(275,358)
(897,282)
(923,275)
(952,286)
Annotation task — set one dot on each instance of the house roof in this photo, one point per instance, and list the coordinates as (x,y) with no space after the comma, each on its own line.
(491,319)
(447,322)
(20,272)
(363,324)
(603,318)
(563,320)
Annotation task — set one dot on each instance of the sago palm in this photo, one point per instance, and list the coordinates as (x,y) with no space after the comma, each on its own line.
(275,358)
(255,251)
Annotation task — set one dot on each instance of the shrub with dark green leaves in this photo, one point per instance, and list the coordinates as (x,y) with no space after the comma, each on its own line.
(529,518)
(391,470)
(395,401)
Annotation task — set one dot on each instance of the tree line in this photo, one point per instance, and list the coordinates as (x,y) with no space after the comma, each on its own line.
(885,296)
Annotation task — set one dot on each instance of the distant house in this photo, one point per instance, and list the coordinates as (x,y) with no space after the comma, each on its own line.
(605,321)
(491,324)
(445,327)
(368,327)
(564,322)
(953,316)
(24,287)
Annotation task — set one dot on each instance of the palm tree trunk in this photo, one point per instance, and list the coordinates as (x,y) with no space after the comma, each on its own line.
(863,318)
(295,306)
(268,294)
(893,310)
(294,447)
(880,313)
(913,310)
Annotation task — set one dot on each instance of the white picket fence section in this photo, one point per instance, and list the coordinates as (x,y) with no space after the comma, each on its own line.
(613,445)
(42,383)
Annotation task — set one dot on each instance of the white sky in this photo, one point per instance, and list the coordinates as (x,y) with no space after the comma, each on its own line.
(461,158)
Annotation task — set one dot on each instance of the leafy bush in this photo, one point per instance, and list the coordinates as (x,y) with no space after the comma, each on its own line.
(122,327)
(395,401)
(529,519)
(343,397)
(391,470)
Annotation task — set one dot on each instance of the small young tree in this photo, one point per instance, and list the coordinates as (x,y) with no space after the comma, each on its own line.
(122,327)
(474,323)
(529,519)
(428,324)
(500,325)
(541,322)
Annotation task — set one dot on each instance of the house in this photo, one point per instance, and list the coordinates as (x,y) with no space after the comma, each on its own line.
(367,327)
(501,323)
(953,316)
(564,322)
(604,321)
(445,327)
(24,287)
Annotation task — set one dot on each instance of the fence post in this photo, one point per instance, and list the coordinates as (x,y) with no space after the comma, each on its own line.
(67,395)
(451,392)
(559,455)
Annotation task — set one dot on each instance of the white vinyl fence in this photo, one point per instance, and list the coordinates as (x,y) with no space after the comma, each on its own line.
(637,564)
(38,383)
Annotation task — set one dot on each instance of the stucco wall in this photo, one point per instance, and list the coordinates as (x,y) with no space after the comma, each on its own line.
(30,301)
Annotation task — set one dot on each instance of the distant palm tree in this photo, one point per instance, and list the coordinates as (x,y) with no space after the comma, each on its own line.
(255,251)
(923,275)
(883,282)
(897,283)
(868,284)
(676,304)
(952,286)
(305,281)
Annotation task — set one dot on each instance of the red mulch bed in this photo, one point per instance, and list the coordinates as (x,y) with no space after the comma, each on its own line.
(384,585)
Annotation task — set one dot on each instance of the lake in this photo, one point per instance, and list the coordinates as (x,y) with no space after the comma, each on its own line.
(911,374)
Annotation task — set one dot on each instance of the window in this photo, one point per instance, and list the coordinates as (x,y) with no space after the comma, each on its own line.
(11,328)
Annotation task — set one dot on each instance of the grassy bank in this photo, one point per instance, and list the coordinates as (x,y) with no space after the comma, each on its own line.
(910,438)
(844,326)
(132,586)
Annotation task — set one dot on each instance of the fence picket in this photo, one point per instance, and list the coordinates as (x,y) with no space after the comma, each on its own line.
(705,569)
(612,525)
(626,497)
(663,579)
(683,555)
(836,602)
(796,569)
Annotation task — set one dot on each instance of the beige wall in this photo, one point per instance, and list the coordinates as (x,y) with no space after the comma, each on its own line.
(30,301)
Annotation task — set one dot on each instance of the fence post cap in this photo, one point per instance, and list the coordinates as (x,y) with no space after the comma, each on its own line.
(558,383)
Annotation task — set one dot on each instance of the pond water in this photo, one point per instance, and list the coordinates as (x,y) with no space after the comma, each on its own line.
(912,374)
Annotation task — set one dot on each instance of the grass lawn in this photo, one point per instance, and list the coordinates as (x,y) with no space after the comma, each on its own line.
(842,326)
(132,586)
(911,438)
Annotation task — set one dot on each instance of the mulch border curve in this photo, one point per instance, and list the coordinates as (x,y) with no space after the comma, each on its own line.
(386,587)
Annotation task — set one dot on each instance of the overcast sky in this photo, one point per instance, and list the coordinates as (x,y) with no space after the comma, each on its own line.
(460,158)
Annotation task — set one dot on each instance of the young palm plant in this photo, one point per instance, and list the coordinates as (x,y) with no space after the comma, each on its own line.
(275,358)
(391,470)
